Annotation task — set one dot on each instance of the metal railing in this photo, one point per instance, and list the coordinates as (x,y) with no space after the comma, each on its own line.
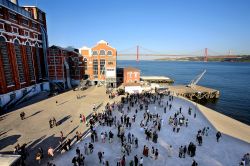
(15,7)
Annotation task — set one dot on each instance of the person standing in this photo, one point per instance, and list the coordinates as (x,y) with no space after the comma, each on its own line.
(136,160)
(194,163)
(184,151)
(51,152)
(39,157)
(136,142)
(78,152)
(141,161)
(86,149)
(156,154)
(170,151)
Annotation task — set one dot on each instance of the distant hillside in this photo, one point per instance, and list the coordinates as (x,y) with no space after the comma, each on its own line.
(235,58)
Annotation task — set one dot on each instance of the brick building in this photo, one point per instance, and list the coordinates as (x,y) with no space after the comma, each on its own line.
(100,63)
(65,67)
(131,75)
(131,80)
(23,45)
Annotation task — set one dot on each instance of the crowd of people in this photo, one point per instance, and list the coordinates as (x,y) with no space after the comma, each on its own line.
(119,126)
(151,125)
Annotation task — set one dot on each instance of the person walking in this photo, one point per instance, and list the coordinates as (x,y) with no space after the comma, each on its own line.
(218,135)
(100,156)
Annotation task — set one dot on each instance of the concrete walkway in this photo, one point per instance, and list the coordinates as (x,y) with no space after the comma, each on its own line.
(35,130)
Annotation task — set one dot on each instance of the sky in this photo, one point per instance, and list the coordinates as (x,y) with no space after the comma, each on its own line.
(164,26)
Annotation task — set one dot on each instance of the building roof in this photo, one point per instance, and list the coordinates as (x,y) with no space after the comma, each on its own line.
(131,69)
(6,160)
(154,78)
(84,48)
(102,42)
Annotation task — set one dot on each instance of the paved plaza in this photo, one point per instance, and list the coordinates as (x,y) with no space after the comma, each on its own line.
(34,130)
(227,152)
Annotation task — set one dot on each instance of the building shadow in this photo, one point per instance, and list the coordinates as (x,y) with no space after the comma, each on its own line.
(63,103)
(4,132)
(33,114)
(61,121)
(9,140)
(3,116)
(72,131)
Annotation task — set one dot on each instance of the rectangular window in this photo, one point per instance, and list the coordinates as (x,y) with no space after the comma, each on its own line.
(85,65)
(25,22)
(38,62)
(30,63)
(102,66)
(13,16)
(6,63)
(1,11)
(34,25)
(135,74)
(110,63)
(1,26)
(15,30)
(130,74)
(20,65)
(35,36)
(40,16)
(26,33)
(95,67)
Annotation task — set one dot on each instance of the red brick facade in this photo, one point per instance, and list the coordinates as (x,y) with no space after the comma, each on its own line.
(131,75)
(23,41)
(59,59)
(100,63)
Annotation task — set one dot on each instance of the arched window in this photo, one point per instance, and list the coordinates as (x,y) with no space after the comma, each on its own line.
(102,52)
(109,53)
(30,62)
(19,60)
(38,62)
(95,53)
(7,69)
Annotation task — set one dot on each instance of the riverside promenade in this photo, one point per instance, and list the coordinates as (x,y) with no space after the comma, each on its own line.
(225,124)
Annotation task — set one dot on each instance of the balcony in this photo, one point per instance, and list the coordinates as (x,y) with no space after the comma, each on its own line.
(15,7)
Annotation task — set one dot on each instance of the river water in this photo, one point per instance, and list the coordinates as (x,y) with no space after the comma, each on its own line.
(231,79)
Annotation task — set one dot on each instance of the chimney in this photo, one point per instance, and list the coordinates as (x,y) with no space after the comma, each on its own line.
(14,1)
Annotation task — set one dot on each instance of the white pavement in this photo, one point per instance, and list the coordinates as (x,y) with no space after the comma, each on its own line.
(228,152)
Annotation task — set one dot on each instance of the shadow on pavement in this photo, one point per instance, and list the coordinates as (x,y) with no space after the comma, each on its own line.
(33,114)
(9,140)
(61,121)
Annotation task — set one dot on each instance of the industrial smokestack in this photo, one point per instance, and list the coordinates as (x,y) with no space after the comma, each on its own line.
(14,1)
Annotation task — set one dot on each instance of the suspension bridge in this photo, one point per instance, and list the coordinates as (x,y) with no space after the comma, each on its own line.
(139,52)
